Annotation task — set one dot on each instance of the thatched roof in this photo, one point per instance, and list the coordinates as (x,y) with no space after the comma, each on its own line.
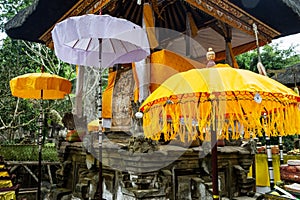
(289,76)
(294,4)
(282,15)
(31,23)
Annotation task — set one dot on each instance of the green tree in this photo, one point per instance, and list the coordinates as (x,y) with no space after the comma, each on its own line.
(13,111)
(271,56)
(10,8)
(19,57)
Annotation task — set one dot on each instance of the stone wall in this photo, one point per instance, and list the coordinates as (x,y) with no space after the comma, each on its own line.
(168,172)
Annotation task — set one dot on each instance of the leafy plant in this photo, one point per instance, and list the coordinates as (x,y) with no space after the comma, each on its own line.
(27,153)
(272,58)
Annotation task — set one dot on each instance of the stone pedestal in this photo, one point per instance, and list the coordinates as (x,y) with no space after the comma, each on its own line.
(177,172)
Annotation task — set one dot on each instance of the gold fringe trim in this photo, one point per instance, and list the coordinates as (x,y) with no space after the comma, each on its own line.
(187,118)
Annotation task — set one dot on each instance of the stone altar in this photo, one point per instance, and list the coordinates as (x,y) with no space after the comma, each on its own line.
(165,172)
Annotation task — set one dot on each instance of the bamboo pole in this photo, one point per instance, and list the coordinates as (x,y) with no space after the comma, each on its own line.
(40,139)
(270,164)
(50,175)
(31,173)
(214,152)
(100,119)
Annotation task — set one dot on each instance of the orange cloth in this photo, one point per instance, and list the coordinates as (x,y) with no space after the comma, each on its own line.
(234,62)
(107,96)
(150,25)
(166,63)
(136,80)
(193,26)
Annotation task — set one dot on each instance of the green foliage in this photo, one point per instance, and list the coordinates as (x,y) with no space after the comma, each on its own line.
(271,57)
(288,141)
(27,153)
(17,58)
(14,63)
(10,8)
(20,58)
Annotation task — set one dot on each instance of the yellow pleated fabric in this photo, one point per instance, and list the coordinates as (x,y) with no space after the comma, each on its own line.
(93,125)
(108,95)
(137,83)
(9,195)
(165,64)
(5,183)
(246,105)
(4,174)
(149,22)
(40,86)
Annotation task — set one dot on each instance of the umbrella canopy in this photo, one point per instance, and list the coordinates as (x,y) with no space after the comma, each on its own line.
(244,97)
(29,86)
(82,40)
(99,41)
(93,125)
(40,86)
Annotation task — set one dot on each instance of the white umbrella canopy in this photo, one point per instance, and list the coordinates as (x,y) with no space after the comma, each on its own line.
(99,41)
(82,40)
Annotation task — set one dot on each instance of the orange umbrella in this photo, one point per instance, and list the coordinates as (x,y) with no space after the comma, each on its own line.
(40,86)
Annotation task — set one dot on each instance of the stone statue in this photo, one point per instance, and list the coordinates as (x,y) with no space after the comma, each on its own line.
(141,144)
(210,56)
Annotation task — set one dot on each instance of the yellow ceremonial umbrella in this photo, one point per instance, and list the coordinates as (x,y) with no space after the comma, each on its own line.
(220,102)
(40,86)
(246,96)
(93,125)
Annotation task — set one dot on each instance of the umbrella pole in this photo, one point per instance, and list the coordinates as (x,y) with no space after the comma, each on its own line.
(270,164)
(40,138)
(100,119)
(214,152)
(281,150)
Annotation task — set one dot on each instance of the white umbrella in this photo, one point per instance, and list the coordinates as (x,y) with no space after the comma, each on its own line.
(76,41)
(99,41)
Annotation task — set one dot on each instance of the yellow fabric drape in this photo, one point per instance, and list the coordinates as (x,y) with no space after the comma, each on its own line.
(193,26)
(234,62)
(261,164)
(5,183)
(9,195)
(150,25)
(166,63)
(4,174)
(108,95)
(136,81)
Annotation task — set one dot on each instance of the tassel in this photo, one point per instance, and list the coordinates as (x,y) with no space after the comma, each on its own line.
(261,69)
(296,90)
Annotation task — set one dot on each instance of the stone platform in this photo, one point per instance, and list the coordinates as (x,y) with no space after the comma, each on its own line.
(165,172)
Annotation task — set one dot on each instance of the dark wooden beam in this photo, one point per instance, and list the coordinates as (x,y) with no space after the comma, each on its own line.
(234,16)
